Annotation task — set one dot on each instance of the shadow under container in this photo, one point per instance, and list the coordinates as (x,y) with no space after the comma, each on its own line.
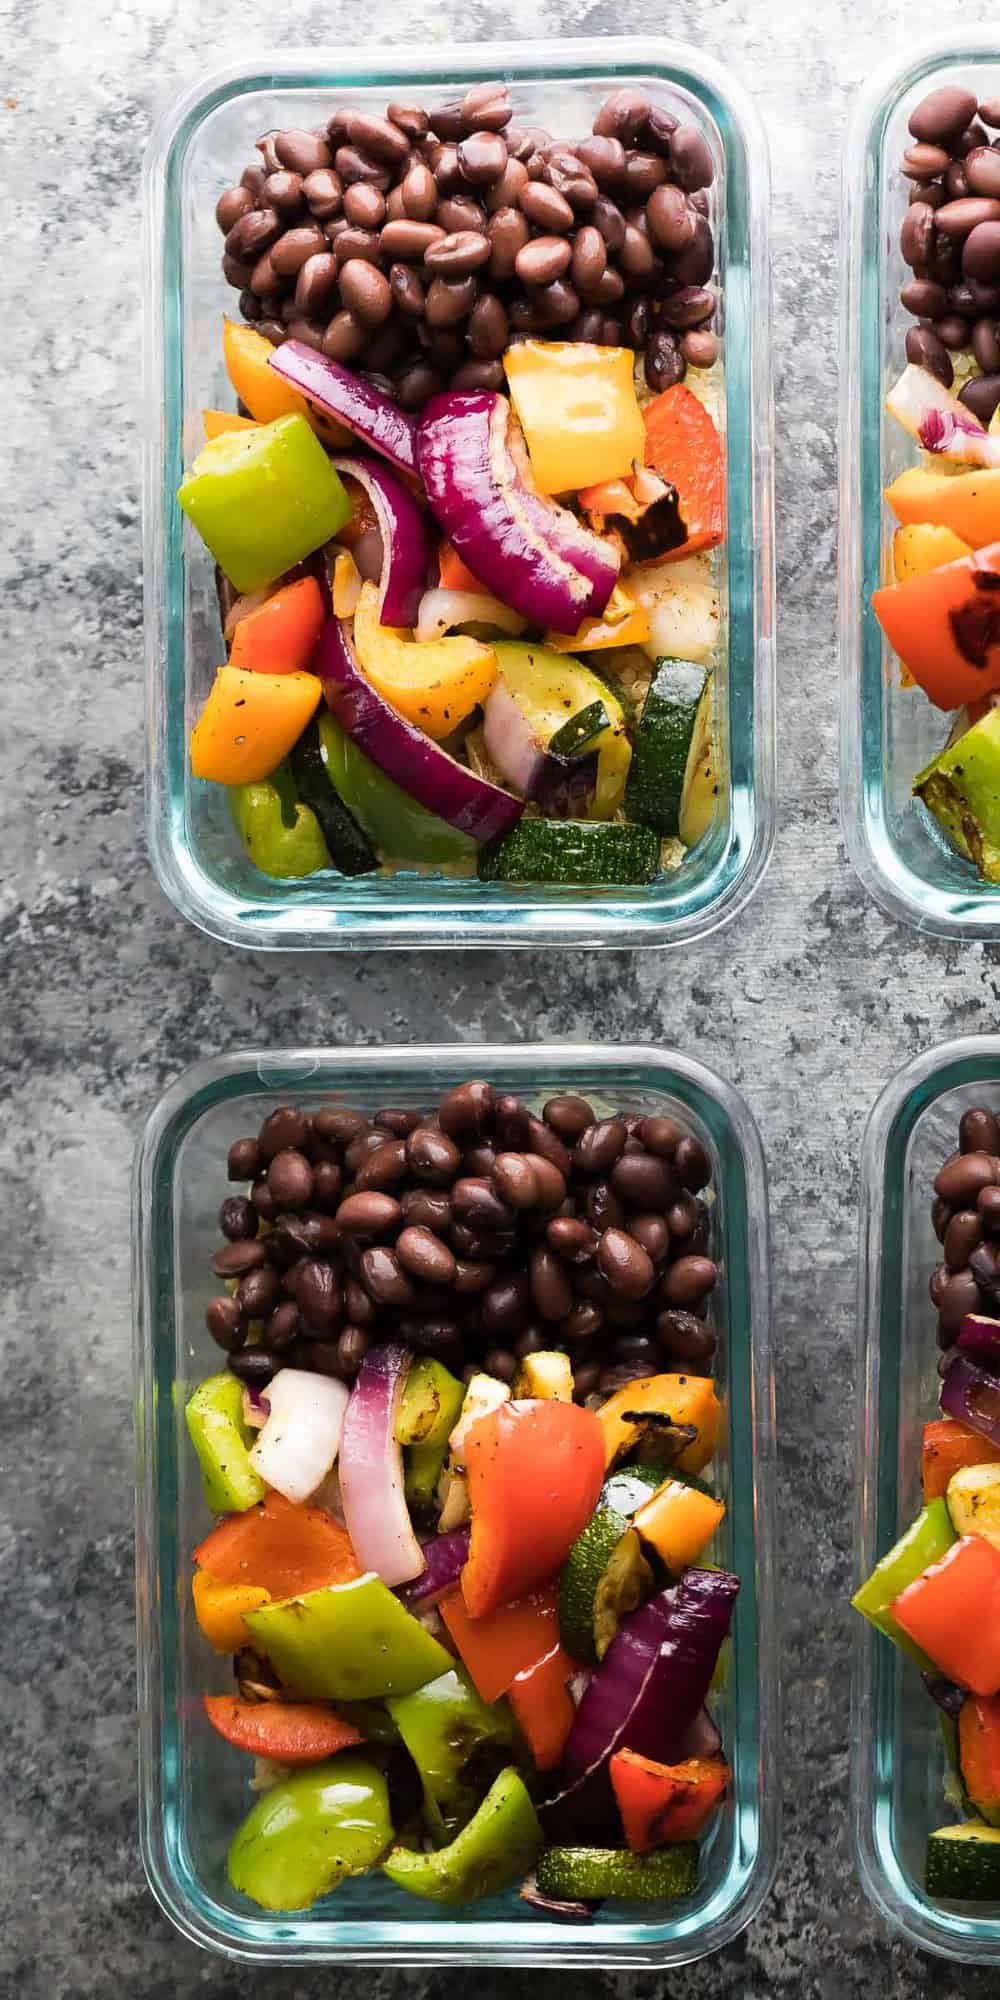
(193,1790)
(198,149)
(888,732)
(899,1766)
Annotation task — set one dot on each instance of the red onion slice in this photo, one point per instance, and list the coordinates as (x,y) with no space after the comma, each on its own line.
(404,753)
(510,741)
(372,417)
(972,1395)
(980,1335)
(371,1470)
(445,1558)
(529,552)
(407,548)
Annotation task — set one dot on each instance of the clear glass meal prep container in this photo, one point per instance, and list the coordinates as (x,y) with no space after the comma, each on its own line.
(898,1761)
(889,733)
(193,1789)
(201,146)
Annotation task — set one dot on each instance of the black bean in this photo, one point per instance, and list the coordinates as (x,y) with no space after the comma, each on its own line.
(689,1280)
(584,1320)
(283,1326)
(653,1233)
(253,1365)
(302,152)
(543,260)
(290,1179)
(961,1177)
(963,1233)
(942,114)
(924,163)
(700,348)
(981,252)
(691,159)
(369,1214)
(516,1181)
(318,1295)
(981,394)
(623,115)
(663,363)
(234,1260)
(338,1124)
(925,350)
(692,1163)
(684,1337)
(550,1286)
(424,1256)
(924,299)
(979,1132)
(263,1200)
(959,1296)
(572,1238)
(625,1264)
(226,1323)
(508,232)
(324,193)
(384,1168)
(644,1181)
(284,1129)
(466,1112)
(477,1204)
(238,1218)
(258,1293)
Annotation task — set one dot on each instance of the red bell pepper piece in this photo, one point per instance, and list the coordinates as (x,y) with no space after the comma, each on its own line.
(946,626)
(535,1470)
(543,1705)
(280,636)
(952,1611)
(979,1752)
(506,1642)
(665,1802)
(684,447)
(281,1548)
(453,574)
(948,1445)
(291,1732)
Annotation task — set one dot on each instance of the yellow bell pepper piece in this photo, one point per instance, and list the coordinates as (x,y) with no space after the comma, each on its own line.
(219,1609)
(217,422)
(435,684)
(578,409)
(685,1399)
(250,722)
(924,545)
(624,623)
(247,356)
(679,1522)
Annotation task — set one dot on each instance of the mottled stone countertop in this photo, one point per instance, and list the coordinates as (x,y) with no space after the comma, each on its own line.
(808,1004)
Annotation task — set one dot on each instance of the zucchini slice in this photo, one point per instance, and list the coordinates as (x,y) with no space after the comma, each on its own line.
(963,1862)
(580,730)
(604,1578)
(591,1873)
(350,849)
(701,778)
(572,851)
(661,752)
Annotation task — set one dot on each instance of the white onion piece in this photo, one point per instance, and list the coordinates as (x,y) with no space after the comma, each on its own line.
(510,741)
(371,1470)
(442,611)
(938,421)
(301,1437)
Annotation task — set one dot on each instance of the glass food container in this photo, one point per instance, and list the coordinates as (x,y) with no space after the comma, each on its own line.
(198,148)
(889,733)
(193,1789)
(898,1761)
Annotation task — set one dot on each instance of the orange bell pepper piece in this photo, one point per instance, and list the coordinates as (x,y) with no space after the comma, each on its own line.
(966,503)
(665,1802)
(250,722)
(684,1399)
(291,1732)
(219,1609)
(506,1642)
(535,1470)
(247,356)
(283,1549)
(952,1612)
(216,422)
(947,1446)
(543,1705)
(280,636)
(453,574)
(979,1752)
(946,626)
(683,445)
(678,1522)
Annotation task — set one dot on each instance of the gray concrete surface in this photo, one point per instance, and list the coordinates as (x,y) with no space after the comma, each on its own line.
(808,1004)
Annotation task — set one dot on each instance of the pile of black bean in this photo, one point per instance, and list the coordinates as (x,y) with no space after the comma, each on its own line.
(480,1233)
(950,238)
(966,1219)
(417,245)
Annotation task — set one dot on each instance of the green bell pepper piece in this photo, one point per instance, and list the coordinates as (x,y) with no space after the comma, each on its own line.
(928,1538)
(348,1642)
(443,1725)
(428,1413)
(500,1844)
(302,1837)
(282,842)
(261,500)
(962,790)
(215,1426)
(401,829)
